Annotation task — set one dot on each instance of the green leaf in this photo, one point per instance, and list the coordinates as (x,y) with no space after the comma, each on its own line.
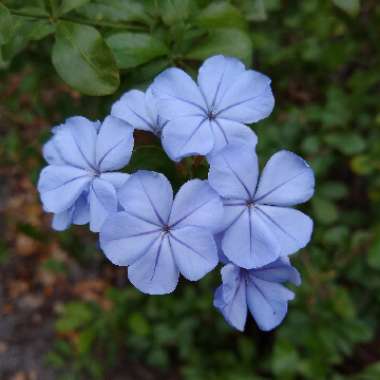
(352,7)
(75,315)
(114,10)
(133,49)
(347,143)
(69,5)
(175,11)
(254,10)
(373,257)
(220,15)
(83,59)
(324,210)
(6,24)
(228,41)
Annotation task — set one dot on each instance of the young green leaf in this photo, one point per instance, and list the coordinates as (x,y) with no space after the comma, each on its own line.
(133,49)
(221,15)
(83,59)
(69,5)
(228,41)
(352,7)
(6,24)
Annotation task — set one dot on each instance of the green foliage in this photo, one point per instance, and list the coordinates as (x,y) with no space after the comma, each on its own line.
(324,61)
(82,59)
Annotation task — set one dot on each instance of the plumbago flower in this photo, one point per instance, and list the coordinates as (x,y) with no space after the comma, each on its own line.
(260,223)
(258,290)
(158,238)
(206,116)
(140,110)
(80,186)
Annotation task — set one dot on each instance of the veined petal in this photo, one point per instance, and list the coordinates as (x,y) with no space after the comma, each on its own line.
(133,108)
(278,271)
(103,201)
(187,136)
(76,141)
(148,196)
(125,238)
(178,95)
(286,180)
(51,153)
(216,75)
(234,311)
(81,214)
(248,100)
(234,171)
(267,302)
(114,144)
(117,179)
(60,186)
(228,132)
(62,220)
(197,204)
(155,272)
(291,228)
(194,251)
(249,243)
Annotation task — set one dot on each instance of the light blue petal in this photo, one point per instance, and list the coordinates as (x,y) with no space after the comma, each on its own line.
(76,140)
(248,100)
(187,136)
(278,271)
(249,243)
(197,204)
(81,214)
(228,132)
(177,95)
(62,220)
(234,171)
(133,108)
(51,153)
(267,302)
(148,196)
(157,121)
(61,186)
(194,251)
(125,238)
(291,228)
(116,179)
(286,180)
(230,297)
(155,272)
(216,75)
(114,144)
(103,201)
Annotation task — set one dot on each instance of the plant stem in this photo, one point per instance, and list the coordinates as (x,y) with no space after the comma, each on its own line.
(105,24)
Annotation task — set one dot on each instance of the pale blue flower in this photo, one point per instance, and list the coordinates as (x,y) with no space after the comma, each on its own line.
(205,116)
(80,184)
(158,238)
(139,109)
(258,290)
(260,223)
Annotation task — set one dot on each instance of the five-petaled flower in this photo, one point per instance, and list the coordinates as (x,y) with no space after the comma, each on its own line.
(80,185)
(259,290)
(205,117)
(140,111)
(158,237)
(260,225)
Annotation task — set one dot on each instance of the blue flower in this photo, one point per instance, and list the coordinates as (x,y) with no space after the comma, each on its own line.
(158,238)
(205,117)
(258,290)
(139,109)
(260,225)
(80,185)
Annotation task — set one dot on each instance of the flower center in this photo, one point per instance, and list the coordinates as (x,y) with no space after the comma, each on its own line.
(249,203)
(210,115)
(166,228)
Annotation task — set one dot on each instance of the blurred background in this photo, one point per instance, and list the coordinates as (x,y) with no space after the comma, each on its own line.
(66,313)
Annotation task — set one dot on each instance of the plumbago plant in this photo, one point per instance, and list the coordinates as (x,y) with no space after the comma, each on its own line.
(235,217)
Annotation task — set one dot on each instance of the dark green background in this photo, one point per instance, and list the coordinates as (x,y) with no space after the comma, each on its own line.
(324,61)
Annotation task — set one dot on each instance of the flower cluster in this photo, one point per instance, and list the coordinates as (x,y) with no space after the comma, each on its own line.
(236,217)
